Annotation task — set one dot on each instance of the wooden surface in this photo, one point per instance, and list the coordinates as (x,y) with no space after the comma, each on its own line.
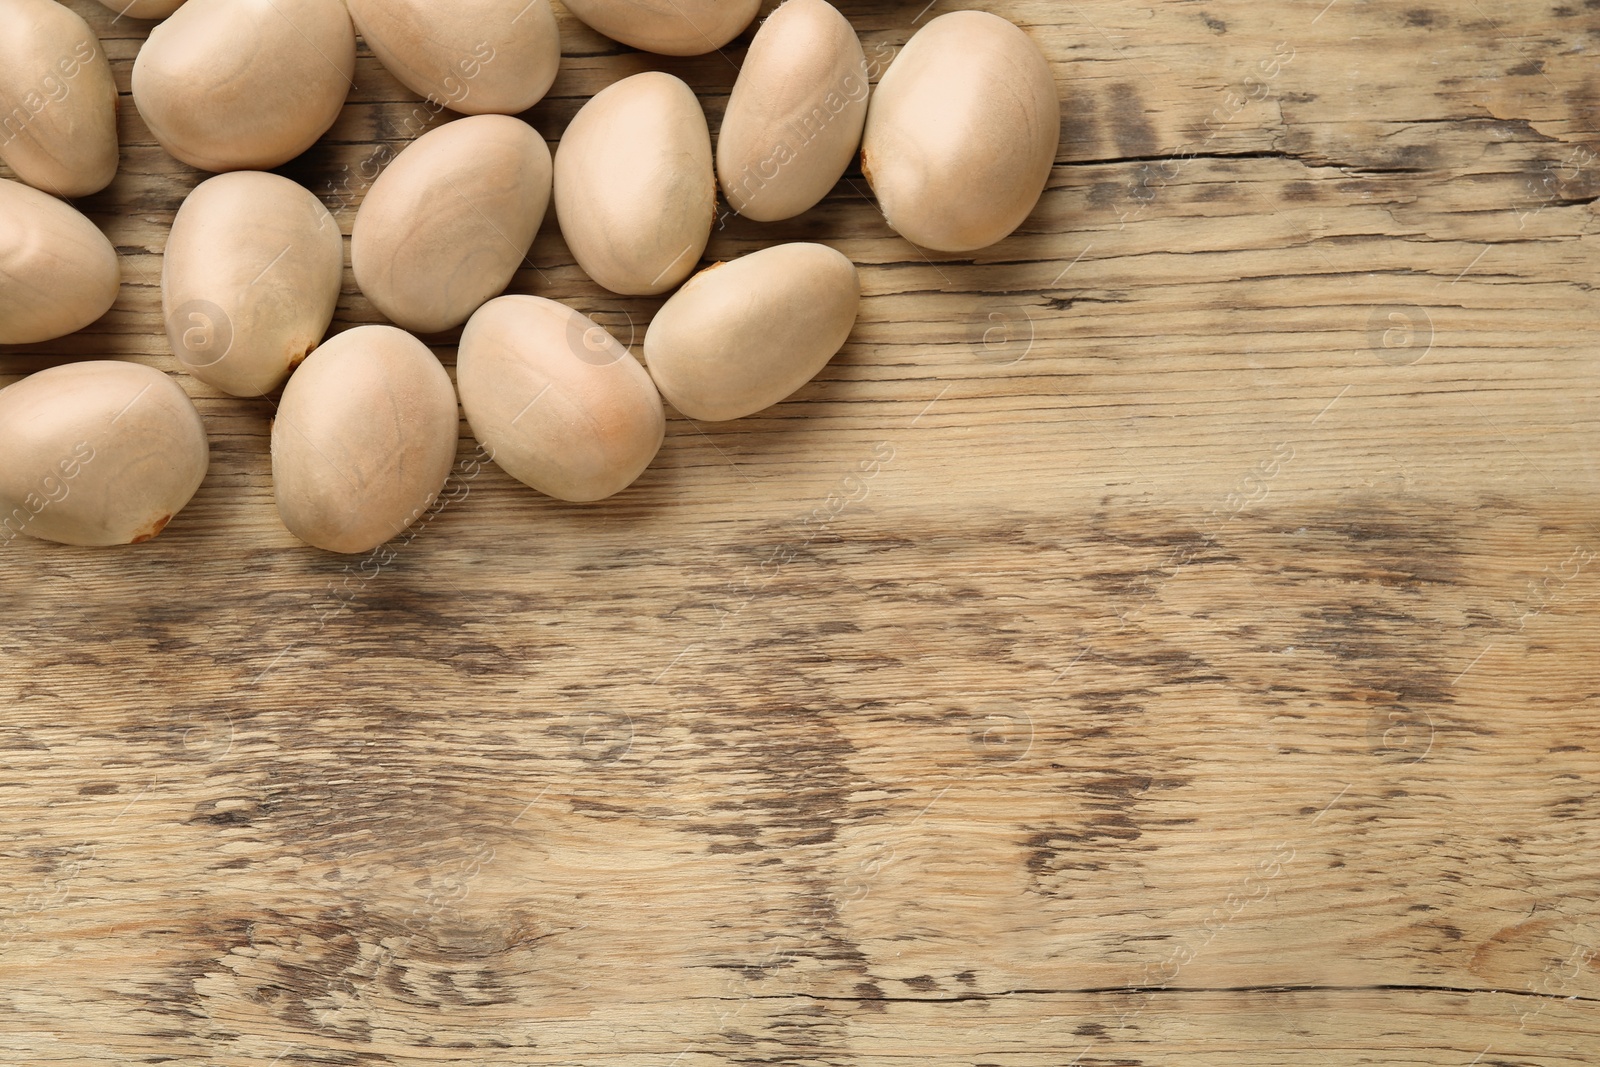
(1169,638)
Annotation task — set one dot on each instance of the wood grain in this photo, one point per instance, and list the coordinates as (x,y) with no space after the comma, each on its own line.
(1166,637)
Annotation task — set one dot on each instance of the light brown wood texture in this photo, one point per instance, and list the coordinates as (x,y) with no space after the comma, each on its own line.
(1166,637)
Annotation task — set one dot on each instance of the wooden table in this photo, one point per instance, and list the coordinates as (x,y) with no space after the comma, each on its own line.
(1167,637)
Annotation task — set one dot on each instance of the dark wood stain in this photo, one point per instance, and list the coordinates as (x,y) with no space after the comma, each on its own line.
(1130,124)
(1081,133)
(606,784)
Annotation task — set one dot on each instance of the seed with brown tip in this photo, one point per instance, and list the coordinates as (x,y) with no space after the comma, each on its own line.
(97,453)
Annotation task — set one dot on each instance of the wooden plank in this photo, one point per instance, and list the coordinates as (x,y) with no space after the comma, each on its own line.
(1167,636)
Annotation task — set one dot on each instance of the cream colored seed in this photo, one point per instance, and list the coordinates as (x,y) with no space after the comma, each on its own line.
(230,85)
(741,336)
(556,401)
(58,273)
(249,280)
(58,103)
(634,188)
(364,439)
(446,226)
(962,132)
(794,120)
(477,57)
(97,453)
(668,27)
